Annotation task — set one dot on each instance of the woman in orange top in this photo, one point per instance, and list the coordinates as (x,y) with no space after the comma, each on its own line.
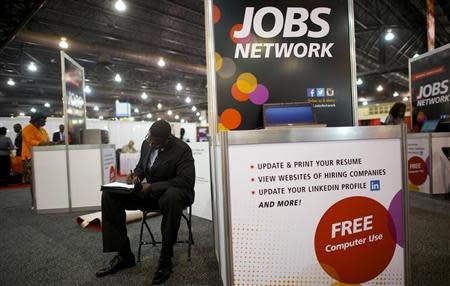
(32,135)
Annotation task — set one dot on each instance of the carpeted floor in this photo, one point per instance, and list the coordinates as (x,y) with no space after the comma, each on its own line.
(53,250)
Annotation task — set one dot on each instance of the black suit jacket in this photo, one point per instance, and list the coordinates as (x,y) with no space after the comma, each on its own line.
(173,167)
(56,137)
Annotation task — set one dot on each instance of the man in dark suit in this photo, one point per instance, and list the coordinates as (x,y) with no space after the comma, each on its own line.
(167,165)
(58,137)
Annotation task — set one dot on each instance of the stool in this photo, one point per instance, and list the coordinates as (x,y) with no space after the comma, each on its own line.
(189,241)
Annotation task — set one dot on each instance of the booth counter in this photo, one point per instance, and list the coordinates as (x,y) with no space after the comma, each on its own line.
(69,178)
(428,164)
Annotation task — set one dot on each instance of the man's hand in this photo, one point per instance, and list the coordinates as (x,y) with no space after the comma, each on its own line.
(132,179)
(145,188)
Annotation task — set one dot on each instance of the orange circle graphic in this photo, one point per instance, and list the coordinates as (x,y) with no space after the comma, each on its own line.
(231,118)
(237,94)
(216,14)
(236,27)
(354,242)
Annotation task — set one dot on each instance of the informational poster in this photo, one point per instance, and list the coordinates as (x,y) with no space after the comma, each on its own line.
(321,213)
(282,52)
(429,79)
(202,204)
(109,165)
(419,164)
(74,99)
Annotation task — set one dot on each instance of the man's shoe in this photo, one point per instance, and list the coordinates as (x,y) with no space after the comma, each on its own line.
(117,263)
(163,272)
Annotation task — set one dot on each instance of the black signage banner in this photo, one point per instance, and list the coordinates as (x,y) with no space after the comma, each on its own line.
(283,52)
(74,98)
(429,79)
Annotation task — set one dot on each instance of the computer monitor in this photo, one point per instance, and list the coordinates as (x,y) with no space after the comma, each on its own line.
(429,125)
(288,114)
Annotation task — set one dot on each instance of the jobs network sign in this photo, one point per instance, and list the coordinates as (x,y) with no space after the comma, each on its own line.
(282,52)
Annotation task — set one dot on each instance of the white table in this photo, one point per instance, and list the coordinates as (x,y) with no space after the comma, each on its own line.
(128,161)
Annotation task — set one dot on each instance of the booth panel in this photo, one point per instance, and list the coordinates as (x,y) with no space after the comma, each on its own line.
(50,179)
(220,216)
(419,163)
(85,177)
(441,163)
(202,203)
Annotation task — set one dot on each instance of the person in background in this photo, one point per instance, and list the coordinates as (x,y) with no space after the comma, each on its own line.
(34,134)
(18,140)
(396,114)
(129,148)
(182,138)
(6,146)
(58,137)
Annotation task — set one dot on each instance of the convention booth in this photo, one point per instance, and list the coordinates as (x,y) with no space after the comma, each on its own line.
(298,203)
(429,150)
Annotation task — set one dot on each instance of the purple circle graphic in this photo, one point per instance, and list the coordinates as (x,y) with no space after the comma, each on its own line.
(260,95)
(247,40)
(396,213)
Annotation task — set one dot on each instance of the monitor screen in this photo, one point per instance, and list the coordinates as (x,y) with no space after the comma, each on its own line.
(288,114)
(429,125)
(123,109)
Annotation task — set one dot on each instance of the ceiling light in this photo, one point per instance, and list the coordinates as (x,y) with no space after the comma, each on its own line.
(405,98)
(389,36)
(118,78)
(200,118)
(63,43)
(159,106)
(177,117)
(416,55)
(47,105)
(144,96)
(365,103)
(380,88)
(100,117)
(159,118)
(161,62)
(169,112)
(149,115)
(96,108)
(33,109)
(136,110)
(395,94)
(120,6)
(183,121)
(179,87)
(359,81)
(22,114)
(32,67)
(11,82)
(194,108)
(87,89)
(198,114)
(188,100)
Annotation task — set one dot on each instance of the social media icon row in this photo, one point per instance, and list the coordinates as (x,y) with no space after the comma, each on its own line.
(319,92)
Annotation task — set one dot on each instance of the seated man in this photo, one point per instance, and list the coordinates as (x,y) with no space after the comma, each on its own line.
(168,167)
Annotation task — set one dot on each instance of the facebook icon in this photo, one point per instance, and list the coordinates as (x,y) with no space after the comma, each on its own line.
(310,92)
(375,185)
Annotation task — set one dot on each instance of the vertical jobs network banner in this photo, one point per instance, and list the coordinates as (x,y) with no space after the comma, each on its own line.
(279,52)
(430,85)
(74,99)
(323,213)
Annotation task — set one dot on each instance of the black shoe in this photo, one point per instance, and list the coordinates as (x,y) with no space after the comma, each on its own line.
(117,263)
(163,272)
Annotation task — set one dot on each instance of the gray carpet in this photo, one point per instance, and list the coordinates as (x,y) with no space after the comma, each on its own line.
(53,250)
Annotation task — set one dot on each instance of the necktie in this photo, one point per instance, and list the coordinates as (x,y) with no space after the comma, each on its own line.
(153,156)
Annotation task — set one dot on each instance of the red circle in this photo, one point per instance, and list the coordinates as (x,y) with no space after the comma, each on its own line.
(417,171)
(345,242)
(231,118)
(236,27)
(237,94)
(216,14)
(112,174)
